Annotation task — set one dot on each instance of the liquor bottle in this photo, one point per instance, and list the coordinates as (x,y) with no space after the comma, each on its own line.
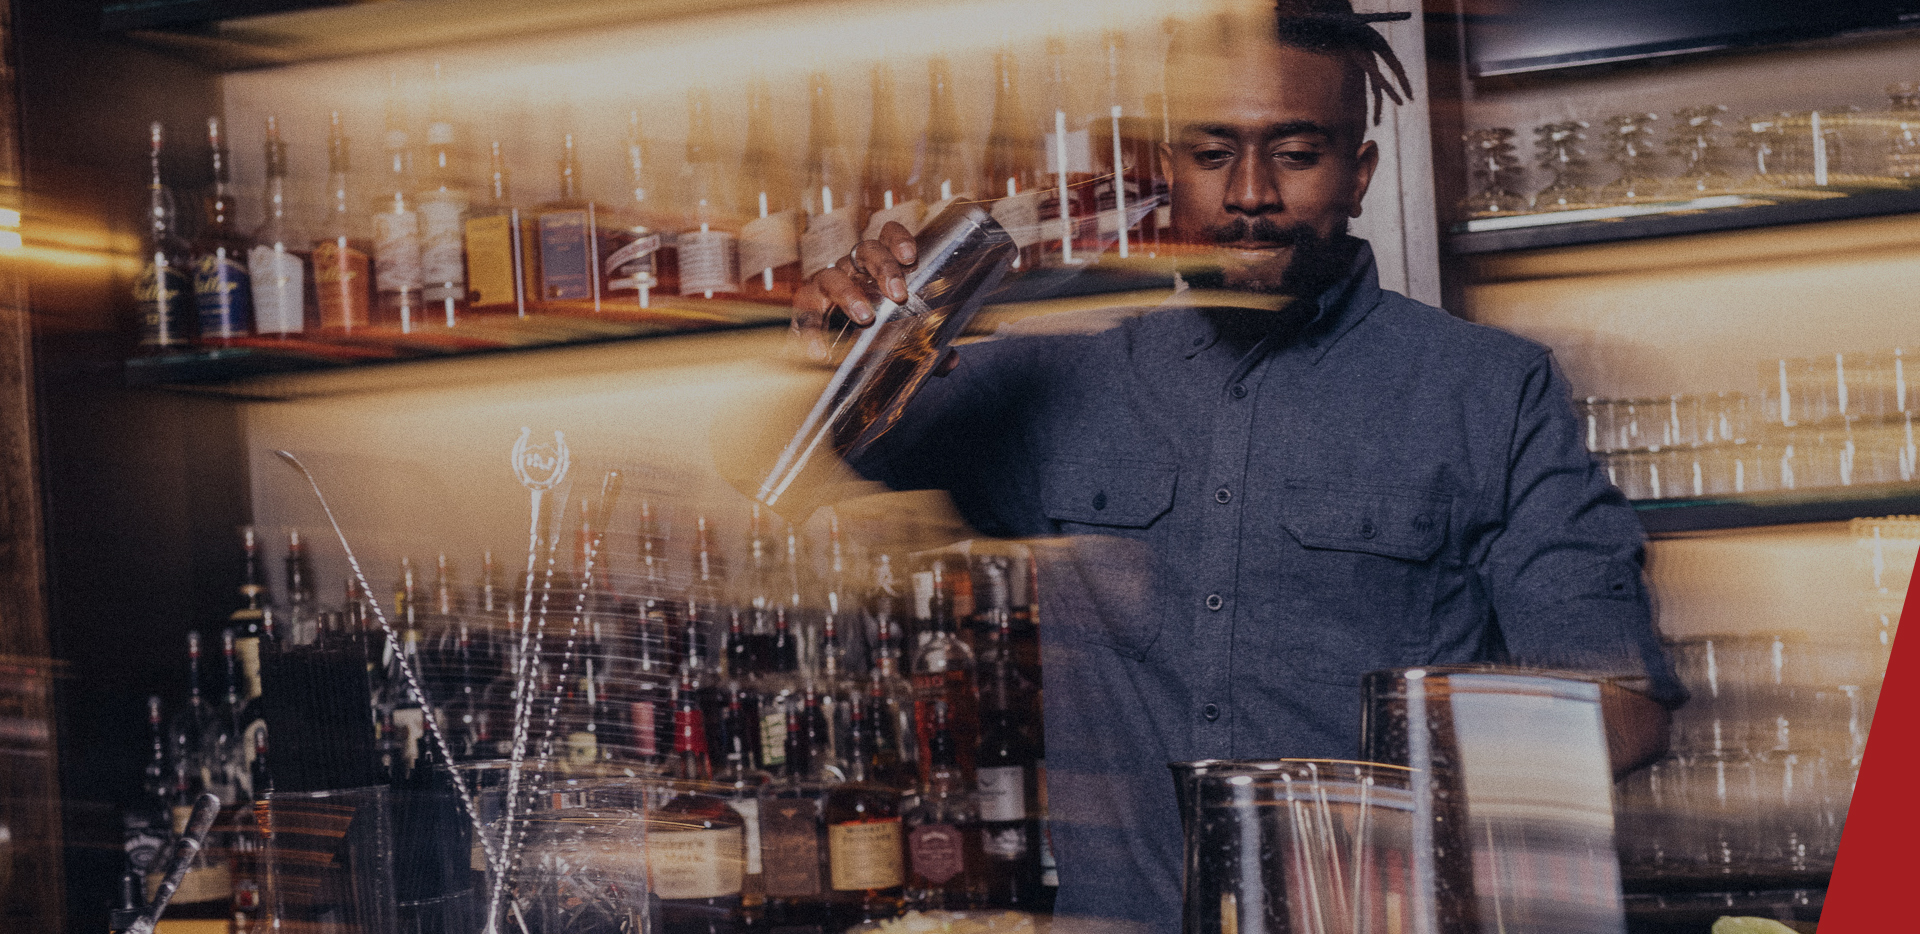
(222,288)
(276,265)
(499,241)
(864,841)
(776,686)
(342,256)
(1007,783)
(696,844)
(942,828)
(708,252)
(302,624)
(826,763)
(890,695)
(650,710)
(943,672)
(396,229)
(946,175)
(588,717)
(711,646)
(888,183)
(226,759)
(792,850)
(163,292)
(1067,209)
(253,623)
(743,783)
(186,734)
(573,243)
(761,592)
(831,196)
(642,264)
(1012,175)
(770,236)
(156,782)
(442,207)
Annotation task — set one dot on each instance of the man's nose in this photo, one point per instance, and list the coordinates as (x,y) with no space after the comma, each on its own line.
(1251,189)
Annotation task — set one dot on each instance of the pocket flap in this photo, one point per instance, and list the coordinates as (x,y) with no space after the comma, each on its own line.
(1127,495)
(1394,522)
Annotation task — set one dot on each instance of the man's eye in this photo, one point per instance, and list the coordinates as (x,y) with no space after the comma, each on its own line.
(1212,156)
(1297,158)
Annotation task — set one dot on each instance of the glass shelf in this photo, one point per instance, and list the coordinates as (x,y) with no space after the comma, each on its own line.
(1680,219)
(1827,504)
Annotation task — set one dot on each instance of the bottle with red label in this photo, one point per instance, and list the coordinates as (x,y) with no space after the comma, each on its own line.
(342,255)
(944,854)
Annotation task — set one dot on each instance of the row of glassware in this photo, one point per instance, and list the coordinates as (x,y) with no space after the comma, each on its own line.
(1695,153)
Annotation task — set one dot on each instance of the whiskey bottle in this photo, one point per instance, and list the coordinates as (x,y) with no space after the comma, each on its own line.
(276,265)
(770,236)
(499,245)
(888,180)
(946,175)
(660,623)
(163,292)
(1012,176)
(943,673)
(743,784)
(342,256)
(302,623)
(942,830)
(222,288)
(186,733)
(831,196)
(708,252)
(398,277)
(442,207)
(696,844)
(792,850)
(226,759)
(642,265)
(1007,786)
(865,852)
(574,242)
(890,694)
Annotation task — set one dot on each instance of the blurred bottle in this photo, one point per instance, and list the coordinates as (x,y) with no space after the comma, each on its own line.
(301,625)
(769,239)
(442,206)
(792,844)
(1067,209)
(831,196)
(943,673)
(888,183)
(163,293)
(643,264)
(743,783)
(865,849)
(276,265)
(1126,160)
(942,829)
(890,695)
(1011,175)
(1006,763)
(660,622)
(575,241)
(186,733)
(499,241)
(222,288)
(696,846)
(707,251)
(947,174)
(342,256)
(398,275)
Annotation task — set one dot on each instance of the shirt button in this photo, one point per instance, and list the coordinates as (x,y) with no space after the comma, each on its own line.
(1222,496)
(1239,390)
(1366,528)
(1214,602)
(1100,500)
(1211,712)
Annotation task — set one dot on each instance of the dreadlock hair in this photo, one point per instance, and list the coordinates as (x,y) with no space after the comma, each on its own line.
(1331,27)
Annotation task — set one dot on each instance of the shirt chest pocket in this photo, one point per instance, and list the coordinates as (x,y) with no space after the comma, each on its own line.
(1357,576)
(1115,494)
(1107,559)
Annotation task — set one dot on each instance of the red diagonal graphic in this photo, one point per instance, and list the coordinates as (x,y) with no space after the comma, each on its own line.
(1872,889)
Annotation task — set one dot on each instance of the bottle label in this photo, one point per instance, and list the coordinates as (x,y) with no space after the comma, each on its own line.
(907,213)
(708,262)
(396,251)
(828,237)
(279,289)
(865,855)
(1079,153)
(644,717)
(749,809)
(693,864)
(340,276)
(566,256)
(441,231)
(937,852)
(790,847)
(222,290)
(631,254)
(769,243)
(1006,842)
(773,737)
(1002,792)
(163,294)
(495,263)
(1020,215)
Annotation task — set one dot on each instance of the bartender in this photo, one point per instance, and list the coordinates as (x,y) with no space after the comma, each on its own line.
(1242,506)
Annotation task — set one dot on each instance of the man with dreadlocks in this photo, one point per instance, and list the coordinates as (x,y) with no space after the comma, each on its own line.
(1283,477)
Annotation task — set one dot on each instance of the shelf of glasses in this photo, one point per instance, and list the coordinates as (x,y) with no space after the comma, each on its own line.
(1670,218)
(1786,507)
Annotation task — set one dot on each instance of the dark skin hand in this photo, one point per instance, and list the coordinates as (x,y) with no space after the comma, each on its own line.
(876,270)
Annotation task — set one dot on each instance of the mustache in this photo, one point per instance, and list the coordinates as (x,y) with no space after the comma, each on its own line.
(1259,230)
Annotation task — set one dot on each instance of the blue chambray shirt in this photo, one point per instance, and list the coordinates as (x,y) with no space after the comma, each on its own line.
(1229,536)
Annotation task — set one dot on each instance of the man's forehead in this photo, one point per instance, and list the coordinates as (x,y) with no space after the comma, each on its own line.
(1255,85)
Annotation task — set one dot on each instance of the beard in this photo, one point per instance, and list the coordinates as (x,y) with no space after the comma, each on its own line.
(1315,264)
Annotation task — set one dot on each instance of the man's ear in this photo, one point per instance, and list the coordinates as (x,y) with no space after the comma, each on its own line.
(1364,163)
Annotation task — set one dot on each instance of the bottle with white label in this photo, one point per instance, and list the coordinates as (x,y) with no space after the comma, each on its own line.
(770,231)
(1067,210)
(831,197)
(277,266)
(696,841)
(641,264)
(888,183)
(743,785)
(708,251)
(222,287)
(866,855)
(397,275)
(442,206)
(342,256)
(1006,762)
